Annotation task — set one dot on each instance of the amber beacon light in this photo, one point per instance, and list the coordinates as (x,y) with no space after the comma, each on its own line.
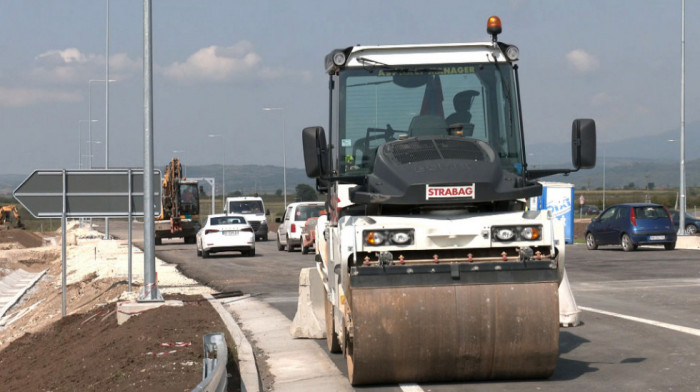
(493,26)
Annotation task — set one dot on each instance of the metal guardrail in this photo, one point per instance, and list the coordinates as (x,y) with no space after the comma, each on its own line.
(214,374)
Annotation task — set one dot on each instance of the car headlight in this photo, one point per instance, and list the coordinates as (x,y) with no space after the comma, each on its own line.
(388,237)
(516,233)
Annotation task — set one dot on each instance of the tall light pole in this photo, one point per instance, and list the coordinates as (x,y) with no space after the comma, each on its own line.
(681,212)
(90,82)
(80,142)
(107,91)
(284,156)
(223,169)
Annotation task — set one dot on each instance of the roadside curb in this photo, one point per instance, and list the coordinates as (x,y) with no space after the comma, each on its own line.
(250,381)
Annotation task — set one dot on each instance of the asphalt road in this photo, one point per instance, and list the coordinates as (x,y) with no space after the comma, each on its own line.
(641,314)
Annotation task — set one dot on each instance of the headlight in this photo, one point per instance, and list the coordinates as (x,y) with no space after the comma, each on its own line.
(388,237)
(516,233)
(512,52)
(504,234)
(339,58)
(530,233)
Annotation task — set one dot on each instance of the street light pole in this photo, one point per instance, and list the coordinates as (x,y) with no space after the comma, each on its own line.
(223,169)
(90,82)
(284,155)
(107,91)
(681,213)
(80,142)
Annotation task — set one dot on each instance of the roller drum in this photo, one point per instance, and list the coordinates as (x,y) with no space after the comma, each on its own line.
(453,333)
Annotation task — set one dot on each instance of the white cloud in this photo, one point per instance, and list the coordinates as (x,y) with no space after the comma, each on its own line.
(20,97)
(218,63)
(601,99)
(582,62)
(72,66)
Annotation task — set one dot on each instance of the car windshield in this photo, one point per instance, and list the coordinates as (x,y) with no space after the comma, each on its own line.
(650,212)
(227,220)
(305,212)
(246,207)
(477,101)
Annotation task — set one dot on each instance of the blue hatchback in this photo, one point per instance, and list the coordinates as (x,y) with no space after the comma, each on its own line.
(631,225)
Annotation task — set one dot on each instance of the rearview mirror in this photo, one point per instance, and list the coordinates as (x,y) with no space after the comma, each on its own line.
(583,143)
(315,151)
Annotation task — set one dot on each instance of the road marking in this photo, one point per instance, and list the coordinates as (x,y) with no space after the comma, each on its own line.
(678,328)
(636,284)
(410,388)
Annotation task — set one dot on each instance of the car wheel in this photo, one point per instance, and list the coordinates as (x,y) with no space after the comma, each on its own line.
(279,244)
(159,241)
(627,244)
(289,246)
(304,250)
(250,253)
(591,243)
(670,245)
(264,238)
(691,229)
(205,254)
(199,252)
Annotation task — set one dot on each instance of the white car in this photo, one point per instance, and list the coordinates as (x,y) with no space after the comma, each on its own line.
(295,216)
(226,233)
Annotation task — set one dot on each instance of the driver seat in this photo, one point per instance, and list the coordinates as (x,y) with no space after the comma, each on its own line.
(427,125)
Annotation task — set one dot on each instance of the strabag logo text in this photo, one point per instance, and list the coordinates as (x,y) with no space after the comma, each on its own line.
(453,191)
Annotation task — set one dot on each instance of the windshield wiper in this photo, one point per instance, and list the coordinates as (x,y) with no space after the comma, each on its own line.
(387,67)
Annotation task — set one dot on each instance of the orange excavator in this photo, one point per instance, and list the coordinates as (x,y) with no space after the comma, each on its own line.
(9,217)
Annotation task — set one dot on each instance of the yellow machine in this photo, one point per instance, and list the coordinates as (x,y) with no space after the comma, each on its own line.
(179,214)
(9,217)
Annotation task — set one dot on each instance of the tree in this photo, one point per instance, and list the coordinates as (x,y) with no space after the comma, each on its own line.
(306,193)
(278,192)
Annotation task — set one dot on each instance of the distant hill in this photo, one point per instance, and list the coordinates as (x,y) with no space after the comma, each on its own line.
(245,178)
(620,172)
(653,147)
(638,160)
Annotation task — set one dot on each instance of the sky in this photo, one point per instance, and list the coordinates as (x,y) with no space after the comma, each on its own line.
(218,63)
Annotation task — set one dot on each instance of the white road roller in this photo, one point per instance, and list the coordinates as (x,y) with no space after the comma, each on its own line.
(432,266)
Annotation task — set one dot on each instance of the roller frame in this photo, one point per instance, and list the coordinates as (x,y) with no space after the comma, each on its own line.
(342,272)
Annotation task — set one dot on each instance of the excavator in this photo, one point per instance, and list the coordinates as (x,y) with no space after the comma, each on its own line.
(179,215)
(9,217)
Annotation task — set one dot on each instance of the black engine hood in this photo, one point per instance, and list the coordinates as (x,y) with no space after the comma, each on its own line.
(438,170)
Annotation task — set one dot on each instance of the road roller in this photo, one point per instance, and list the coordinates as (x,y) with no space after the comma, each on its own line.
(433,265)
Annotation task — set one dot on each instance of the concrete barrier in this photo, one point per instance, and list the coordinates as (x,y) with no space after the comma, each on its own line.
(309,321)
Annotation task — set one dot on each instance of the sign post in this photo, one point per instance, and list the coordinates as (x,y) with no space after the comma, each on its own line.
(104,193)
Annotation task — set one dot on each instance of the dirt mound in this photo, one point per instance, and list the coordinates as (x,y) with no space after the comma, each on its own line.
(16,238)
(159,350)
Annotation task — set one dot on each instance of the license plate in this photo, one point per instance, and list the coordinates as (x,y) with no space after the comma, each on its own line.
(657,237)
(231,232)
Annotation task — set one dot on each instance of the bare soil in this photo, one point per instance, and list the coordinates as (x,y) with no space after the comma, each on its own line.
(158,350)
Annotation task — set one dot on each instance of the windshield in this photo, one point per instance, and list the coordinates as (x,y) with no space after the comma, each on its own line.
(246,207)
(381,105)
(189,199)
(305,212)
(227,220)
